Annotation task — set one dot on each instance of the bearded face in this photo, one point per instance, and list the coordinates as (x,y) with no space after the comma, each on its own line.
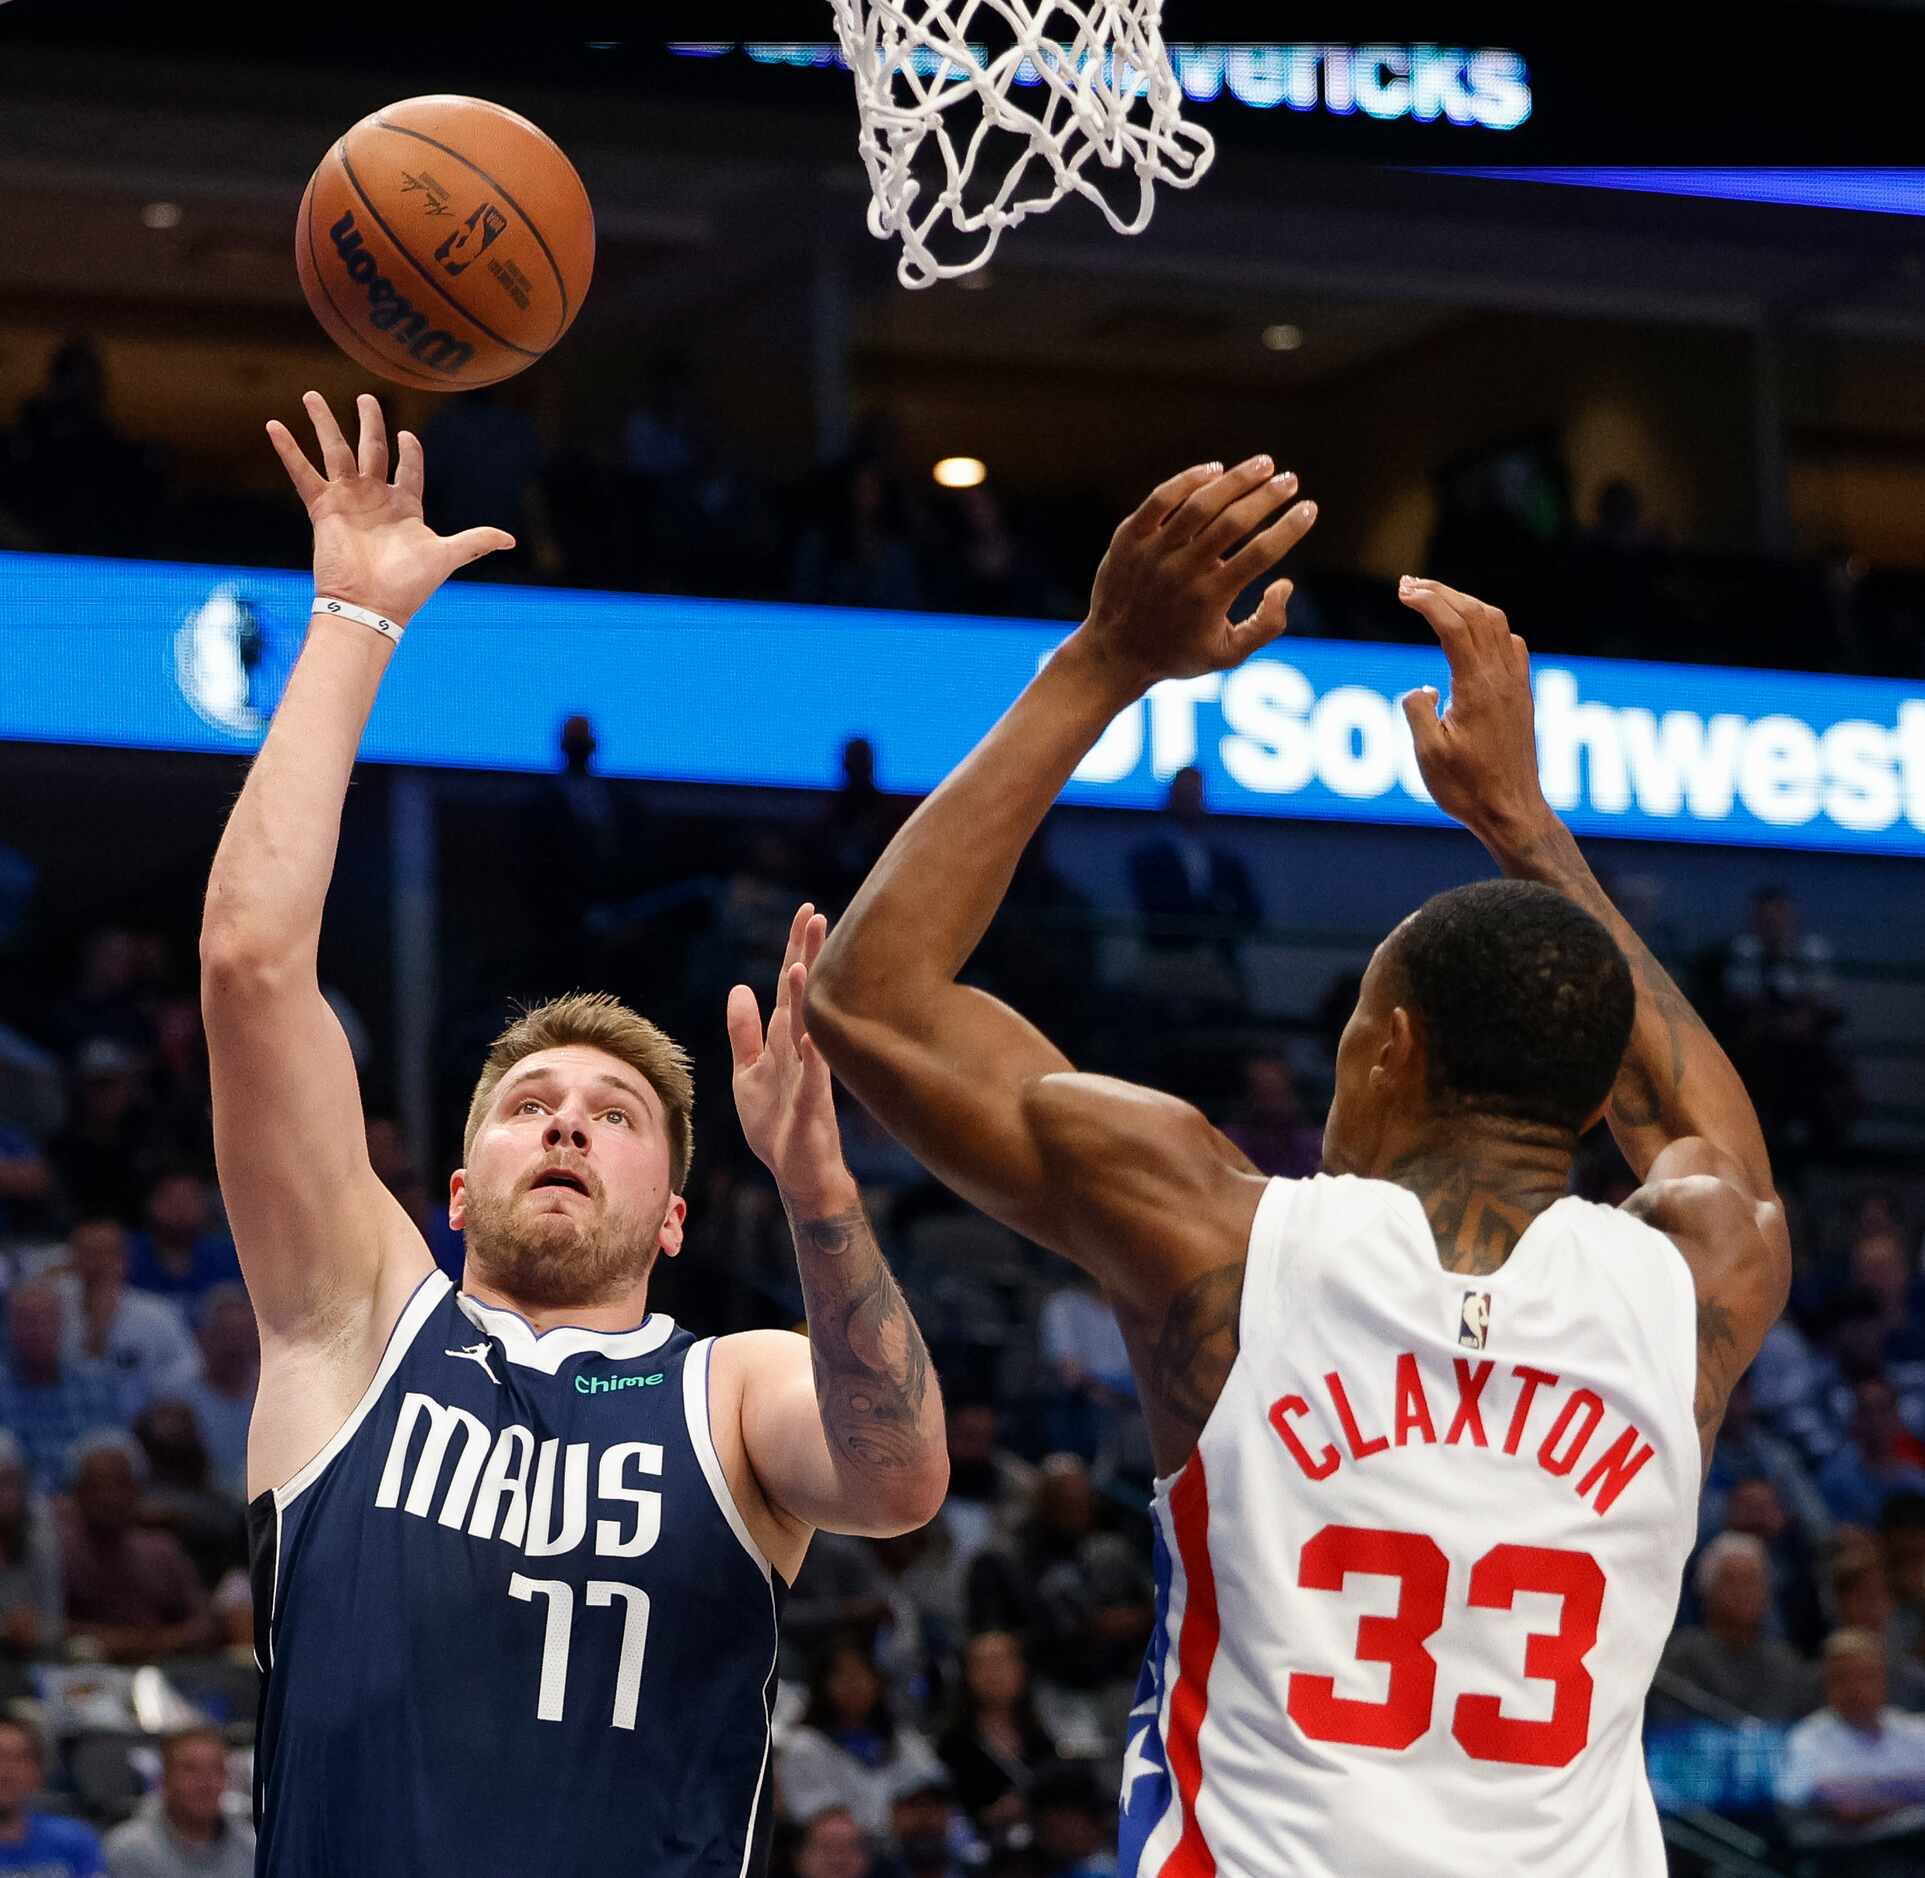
(565,1200)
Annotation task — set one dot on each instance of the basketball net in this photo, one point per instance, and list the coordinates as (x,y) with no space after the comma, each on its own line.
(1068,85)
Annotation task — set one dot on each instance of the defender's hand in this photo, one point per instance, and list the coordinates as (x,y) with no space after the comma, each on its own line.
(371,546)
(1479,758)
(1159,608)
(783,1093)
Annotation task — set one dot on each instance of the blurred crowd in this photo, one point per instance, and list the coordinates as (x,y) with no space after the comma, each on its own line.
(665,506)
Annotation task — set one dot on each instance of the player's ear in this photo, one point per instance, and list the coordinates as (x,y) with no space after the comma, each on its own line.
(457,1197)
(674,1222)
(1402,1054)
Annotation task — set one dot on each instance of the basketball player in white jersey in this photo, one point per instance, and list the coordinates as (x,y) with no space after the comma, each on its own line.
(1429,1433)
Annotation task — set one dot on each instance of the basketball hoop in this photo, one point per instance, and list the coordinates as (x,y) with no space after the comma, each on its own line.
(1085,66)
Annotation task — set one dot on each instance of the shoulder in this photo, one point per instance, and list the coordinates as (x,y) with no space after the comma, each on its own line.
(772,1354)
(52,1833)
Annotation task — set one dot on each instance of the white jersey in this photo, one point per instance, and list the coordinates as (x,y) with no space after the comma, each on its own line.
(1413,1584)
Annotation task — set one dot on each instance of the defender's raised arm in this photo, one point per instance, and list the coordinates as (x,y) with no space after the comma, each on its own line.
(1132,1184)
(1679,1111)
(327,1253)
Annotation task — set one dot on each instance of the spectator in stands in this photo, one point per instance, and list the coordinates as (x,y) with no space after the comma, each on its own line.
(109,1001)
(1197,902)
(132,1595)
(1089,1366)
(47,1399)
(26,1179)
(38,1845)
(1861,1599)
(1796,1612)
(830,1844)
(1269,1124)
(1783,1014)
(1075,1825)
(489,460)
(185,1830)
(1731,1659)
(849,1750)
(181,1497)
(1040,952)
(840,1592)
(989,1487)
(996,1745)
(1621,527)
(1854,1773)
(1901,1543)
(928,1835)
(218,1384)
(79,480)
(1748,1450)
(1857,1479)
(860,821)
(137,1337)
(1079,1596)
(989,567)
(99,1157)
(33,1597)
(180,1255)
(1880,1269)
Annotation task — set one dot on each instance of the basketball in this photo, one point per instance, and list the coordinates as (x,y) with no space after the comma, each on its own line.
(445,243)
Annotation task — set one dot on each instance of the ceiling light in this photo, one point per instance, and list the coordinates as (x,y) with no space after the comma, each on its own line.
(161,215)
(959,472)
(1283,338)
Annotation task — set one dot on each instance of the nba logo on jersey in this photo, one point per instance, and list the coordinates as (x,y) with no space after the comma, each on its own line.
(1474,1321)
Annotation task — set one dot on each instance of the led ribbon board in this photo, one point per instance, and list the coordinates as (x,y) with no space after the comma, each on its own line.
(162,656)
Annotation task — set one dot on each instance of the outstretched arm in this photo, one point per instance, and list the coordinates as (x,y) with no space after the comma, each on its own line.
(976,1092)
(313,1225)
(1679,1111)
(848,1435)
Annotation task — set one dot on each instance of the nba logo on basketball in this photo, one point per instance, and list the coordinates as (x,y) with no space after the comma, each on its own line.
(1474,1322)
(487,221)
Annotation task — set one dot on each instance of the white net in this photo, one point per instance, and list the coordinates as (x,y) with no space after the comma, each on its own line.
(1071,82)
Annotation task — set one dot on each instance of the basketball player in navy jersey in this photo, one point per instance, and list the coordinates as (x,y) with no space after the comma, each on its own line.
(1492,1028)
(520,1547)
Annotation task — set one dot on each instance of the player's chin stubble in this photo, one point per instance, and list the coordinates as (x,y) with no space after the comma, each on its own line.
(551,1260)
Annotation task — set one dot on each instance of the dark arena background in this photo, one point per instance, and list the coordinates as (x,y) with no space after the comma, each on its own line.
(1623,331)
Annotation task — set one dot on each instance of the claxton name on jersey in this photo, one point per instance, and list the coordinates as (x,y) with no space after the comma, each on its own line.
(505,1484)
(1532,1414)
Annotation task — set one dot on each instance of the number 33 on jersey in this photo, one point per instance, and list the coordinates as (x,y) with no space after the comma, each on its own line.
(1413,1584)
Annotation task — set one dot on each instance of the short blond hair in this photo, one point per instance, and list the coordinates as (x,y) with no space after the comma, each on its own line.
(598,1021)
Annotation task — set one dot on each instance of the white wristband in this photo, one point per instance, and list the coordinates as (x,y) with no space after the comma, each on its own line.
(366,616)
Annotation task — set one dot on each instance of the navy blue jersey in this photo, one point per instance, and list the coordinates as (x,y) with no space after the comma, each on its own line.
(510,1619)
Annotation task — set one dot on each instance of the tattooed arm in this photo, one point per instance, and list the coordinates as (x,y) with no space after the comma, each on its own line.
(1679,1110)
(846,1432)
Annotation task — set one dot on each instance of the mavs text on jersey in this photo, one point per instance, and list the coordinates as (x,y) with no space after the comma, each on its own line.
(510,1619)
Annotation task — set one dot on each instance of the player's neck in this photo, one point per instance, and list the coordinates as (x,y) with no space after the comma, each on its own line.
(623,1311)
(1481,1182)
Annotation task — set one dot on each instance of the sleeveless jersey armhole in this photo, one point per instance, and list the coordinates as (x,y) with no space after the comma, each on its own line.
(429,1293)
(695,1406)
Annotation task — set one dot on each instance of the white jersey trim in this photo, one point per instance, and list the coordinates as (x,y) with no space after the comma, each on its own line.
(695,1409)
(548,1350)
(427,1294)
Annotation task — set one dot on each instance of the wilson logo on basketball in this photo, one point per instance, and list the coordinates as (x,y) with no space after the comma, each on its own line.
(390,311)
(472,238)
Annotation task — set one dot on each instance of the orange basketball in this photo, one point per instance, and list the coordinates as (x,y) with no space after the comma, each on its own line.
(445,243)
